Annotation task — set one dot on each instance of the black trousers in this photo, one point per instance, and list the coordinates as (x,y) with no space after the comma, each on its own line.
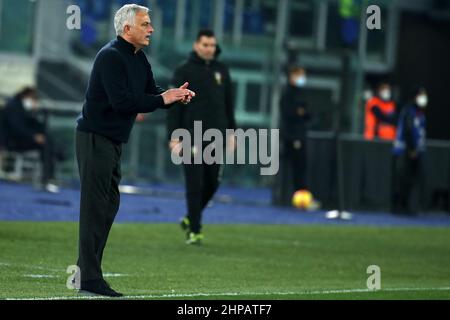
(408,175)
(202,182)
(296,160)
(99,167)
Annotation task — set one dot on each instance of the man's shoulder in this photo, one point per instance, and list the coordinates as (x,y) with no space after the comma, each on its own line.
(109,51)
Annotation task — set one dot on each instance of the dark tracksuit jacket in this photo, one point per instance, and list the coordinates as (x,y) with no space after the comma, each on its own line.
(213,105)
(293,127)
(121,85)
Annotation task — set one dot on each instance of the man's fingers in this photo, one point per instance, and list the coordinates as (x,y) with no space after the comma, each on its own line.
(185,85)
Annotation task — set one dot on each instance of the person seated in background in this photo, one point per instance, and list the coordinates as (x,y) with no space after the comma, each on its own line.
(381,115)
(24,132)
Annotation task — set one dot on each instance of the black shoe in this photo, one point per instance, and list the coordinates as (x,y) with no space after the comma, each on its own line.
(98,287)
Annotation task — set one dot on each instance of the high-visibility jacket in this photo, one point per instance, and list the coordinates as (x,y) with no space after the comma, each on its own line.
(374,127)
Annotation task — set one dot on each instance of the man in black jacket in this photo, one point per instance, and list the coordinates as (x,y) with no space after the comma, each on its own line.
(121,85)
(213,106)
(293,127)
(24,131)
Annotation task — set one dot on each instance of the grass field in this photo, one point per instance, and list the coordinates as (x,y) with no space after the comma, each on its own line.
(151,261)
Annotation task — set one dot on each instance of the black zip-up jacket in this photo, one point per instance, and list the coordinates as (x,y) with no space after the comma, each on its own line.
(213,103)
(293,126)
(121,86)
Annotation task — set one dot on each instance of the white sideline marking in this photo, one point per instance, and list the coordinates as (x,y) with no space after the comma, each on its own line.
(237,294)
(39,276)
(59,271)
(115,275)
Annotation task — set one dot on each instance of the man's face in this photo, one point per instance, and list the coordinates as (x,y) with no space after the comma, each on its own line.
(30,103)
(206,48)
(298,78)
(385,92)
(139,34)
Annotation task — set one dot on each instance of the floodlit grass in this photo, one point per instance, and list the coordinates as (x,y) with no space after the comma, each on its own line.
(151,261)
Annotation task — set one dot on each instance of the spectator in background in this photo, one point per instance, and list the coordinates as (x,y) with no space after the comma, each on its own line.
(409,150)
(24,132)
(350,12)
(381,115)
(294,118)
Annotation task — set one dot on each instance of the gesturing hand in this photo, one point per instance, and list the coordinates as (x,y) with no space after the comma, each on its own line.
(191,94)
(181,94)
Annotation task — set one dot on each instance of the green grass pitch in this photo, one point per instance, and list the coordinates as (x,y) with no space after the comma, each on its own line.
(151,261)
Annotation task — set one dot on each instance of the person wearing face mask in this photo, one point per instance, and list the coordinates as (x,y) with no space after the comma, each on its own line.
(409,150)
(380,115)
(25,132)
(294,117)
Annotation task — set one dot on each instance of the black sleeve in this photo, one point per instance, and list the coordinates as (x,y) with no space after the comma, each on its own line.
(175,113)
(286,115)
(390,119)
(18,124)
(290,106)
(229,101)
(151,87)
(112,71)
(307,115)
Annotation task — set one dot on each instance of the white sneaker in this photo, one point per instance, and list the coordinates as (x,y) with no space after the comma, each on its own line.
(52,188)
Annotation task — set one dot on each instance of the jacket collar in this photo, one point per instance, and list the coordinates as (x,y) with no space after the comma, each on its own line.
(129,47)
(194,57)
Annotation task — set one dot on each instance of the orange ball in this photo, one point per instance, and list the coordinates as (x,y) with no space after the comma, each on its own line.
(302,199)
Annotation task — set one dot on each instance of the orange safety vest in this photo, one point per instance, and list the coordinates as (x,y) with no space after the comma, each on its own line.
(375,128)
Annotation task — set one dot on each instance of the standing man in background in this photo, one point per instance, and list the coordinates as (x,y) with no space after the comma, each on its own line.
(211,81)
(409,151)
(293,126)
(121,85)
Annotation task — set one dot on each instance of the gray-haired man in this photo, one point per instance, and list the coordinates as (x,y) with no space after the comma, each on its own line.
(121,85)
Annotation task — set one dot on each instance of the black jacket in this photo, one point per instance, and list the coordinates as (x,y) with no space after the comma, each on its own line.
(19,125)
(121,86)
(213,103)
(292,125)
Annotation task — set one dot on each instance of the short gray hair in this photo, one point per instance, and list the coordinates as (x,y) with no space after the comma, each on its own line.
(126,16)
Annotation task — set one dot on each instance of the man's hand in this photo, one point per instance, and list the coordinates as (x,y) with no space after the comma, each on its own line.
(182,94)
(189,97)
(301,111)
(140,117)
(175,146)
(39,138)
(413,154)
(297,144)
(231,145)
